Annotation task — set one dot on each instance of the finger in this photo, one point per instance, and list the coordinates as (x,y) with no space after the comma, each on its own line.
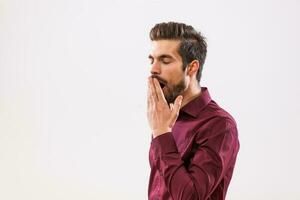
(150,92)
(152,89)
(158,90)
(152,97)
(171,106)
(176,108)
(177,103)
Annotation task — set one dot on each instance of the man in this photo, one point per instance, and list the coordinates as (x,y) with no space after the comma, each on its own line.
(194,141)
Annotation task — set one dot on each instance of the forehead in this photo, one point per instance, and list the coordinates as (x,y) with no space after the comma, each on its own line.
(165,47)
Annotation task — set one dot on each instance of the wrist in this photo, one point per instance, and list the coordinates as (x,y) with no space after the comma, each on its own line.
(158,132)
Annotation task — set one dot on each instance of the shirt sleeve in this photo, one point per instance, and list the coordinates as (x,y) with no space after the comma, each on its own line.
(197,177)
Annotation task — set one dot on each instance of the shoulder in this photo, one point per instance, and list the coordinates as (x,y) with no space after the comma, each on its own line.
(218,120)
(219,114)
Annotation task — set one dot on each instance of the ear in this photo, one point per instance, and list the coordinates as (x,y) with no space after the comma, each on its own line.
(193,68)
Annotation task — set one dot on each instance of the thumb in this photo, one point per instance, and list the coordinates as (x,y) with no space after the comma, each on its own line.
(176,108)
(171,106)
(177,103)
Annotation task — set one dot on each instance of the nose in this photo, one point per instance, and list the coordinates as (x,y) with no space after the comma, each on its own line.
(155,68)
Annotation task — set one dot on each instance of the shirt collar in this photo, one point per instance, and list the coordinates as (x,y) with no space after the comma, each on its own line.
(195,106)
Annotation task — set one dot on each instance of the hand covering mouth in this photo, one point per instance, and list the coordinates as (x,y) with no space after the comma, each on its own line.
(162,83)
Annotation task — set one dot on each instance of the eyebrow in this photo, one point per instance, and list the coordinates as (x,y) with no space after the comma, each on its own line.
(161,57)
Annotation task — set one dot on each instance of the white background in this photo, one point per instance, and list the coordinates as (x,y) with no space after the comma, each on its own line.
(73,94)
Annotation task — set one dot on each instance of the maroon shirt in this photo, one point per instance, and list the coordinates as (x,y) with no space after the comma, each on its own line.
(196,159)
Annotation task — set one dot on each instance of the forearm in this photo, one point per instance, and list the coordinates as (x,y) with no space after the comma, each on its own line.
(180,182)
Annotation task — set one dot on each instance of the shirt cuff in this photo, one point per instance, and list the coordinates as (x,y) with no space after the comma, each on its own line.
(164,144)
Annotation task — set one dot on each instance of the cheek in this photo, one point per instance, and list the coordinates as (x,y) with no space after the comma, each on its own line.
(177,77)
(172,73)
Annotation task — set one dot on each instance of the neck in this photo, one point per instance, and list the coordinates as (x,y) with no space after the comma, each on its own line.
(193,91)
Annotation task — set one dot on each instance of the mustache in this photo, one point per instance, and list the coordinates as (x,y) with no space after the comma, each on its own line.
(161,80)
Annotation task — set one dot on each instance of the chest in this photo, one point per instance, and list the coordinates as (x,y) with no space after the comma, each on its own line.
(186,136)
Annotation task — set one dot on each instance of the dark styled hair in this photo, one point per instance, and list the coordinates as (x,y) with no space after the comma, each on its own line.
(192,43)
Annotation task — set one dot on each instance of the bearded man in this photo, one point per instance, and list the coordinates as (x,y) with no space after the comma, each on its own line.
(194,141)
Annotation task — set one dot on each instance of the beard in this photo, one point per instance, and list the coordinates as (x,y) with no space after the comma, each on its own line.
(171,91)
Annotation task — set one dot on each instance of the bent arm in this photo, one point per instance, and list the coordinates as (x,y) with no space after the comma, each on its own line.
(197,177)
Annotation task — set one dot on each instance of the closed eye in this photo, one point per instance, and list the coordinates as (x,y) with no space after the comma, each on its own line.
(164,59)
